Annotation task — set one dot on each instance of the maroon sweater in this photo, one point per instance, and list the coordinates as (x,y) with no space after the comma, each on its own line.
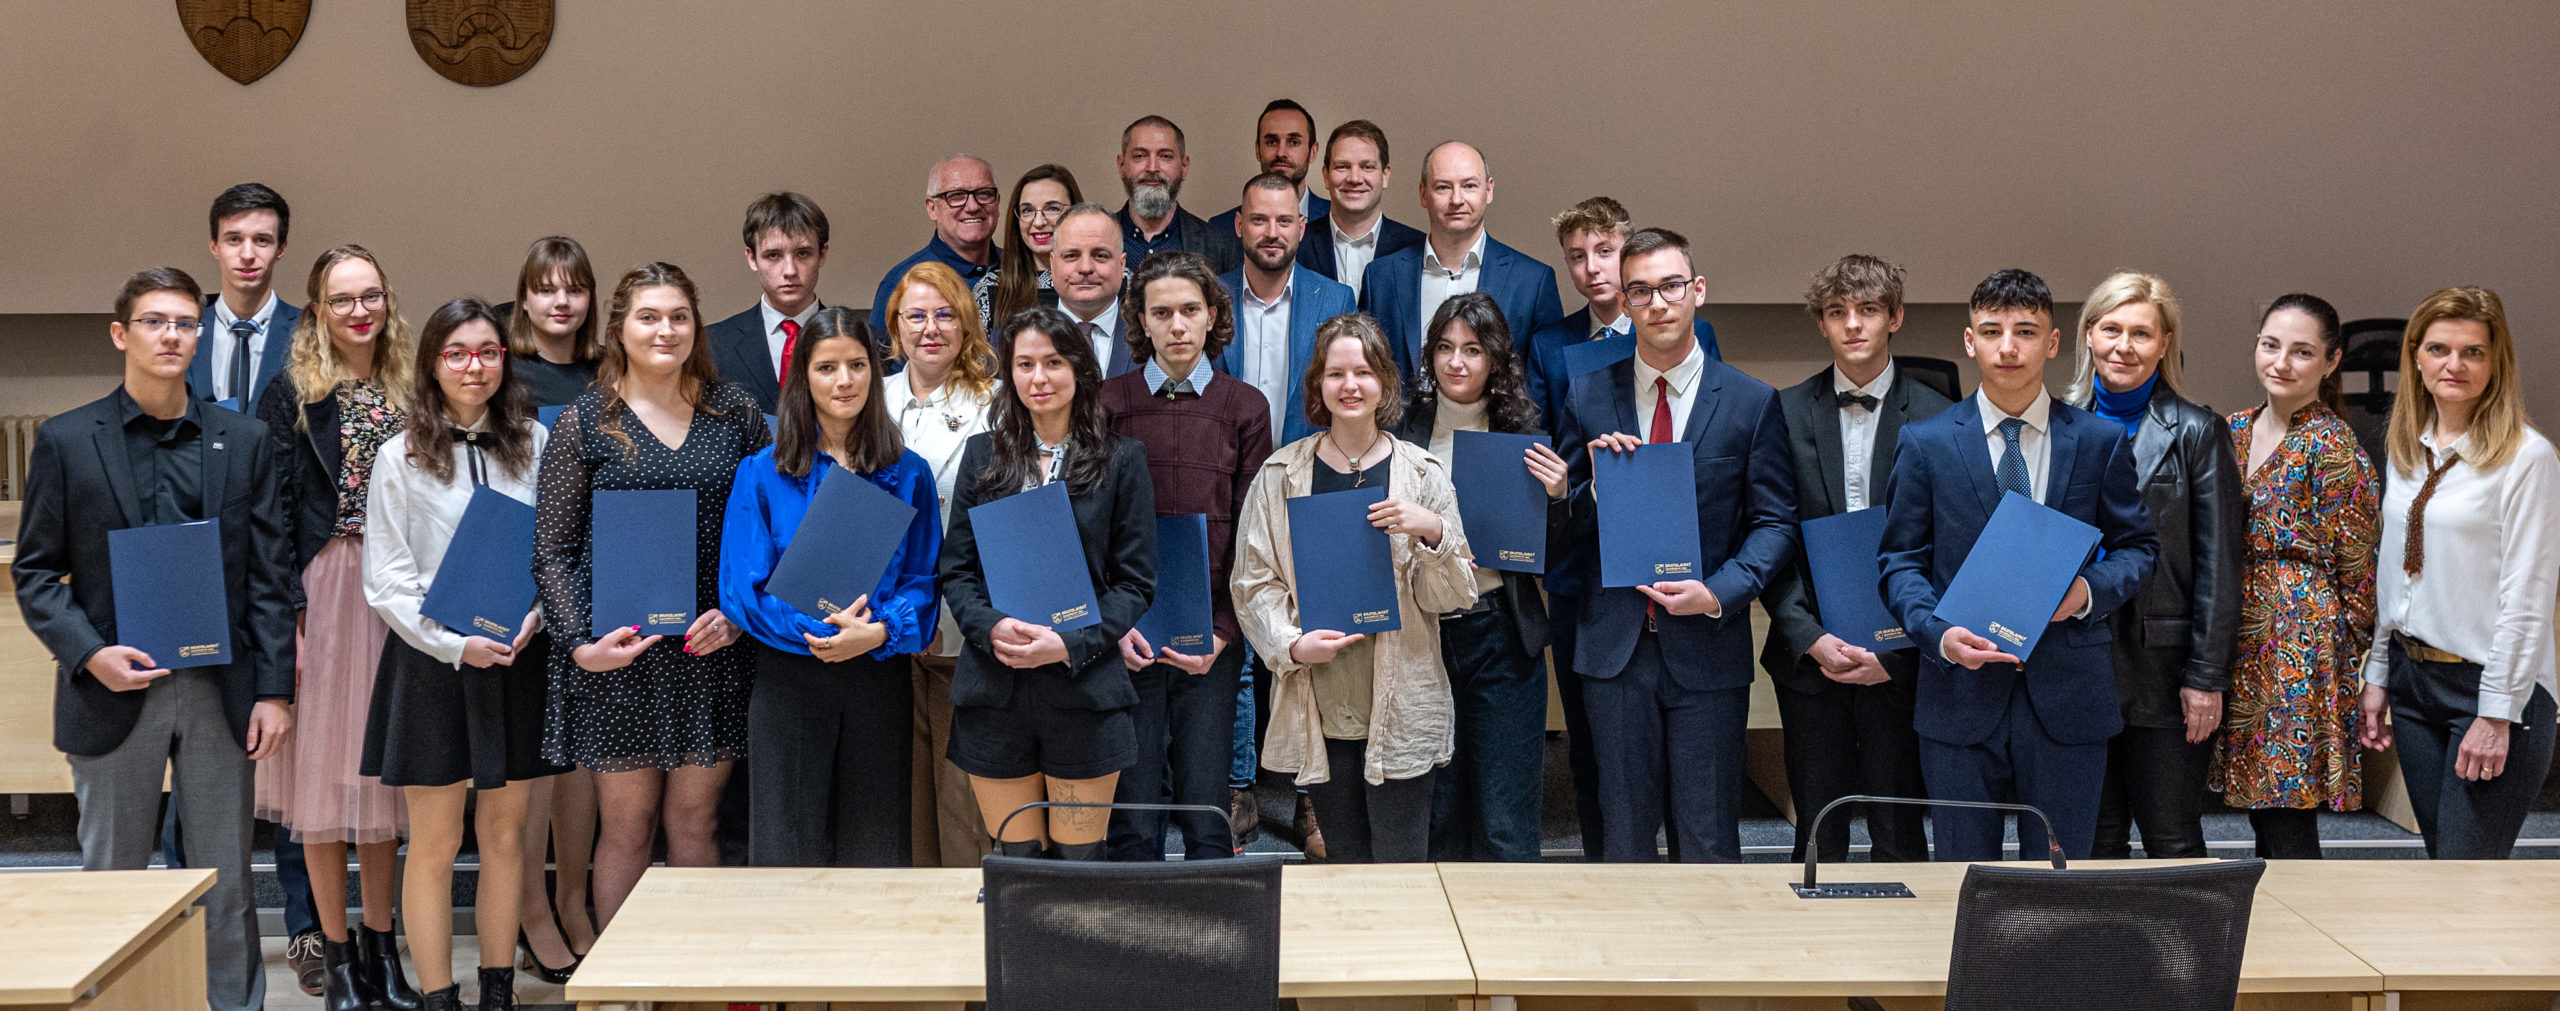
(1202,453)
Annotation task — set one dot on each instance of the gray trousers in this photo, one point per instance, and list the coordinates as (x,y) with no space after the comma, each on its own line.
(119,792)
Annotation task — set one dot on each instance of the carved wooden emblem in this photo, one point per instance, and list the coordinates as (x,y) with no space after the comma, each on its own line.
(482,43)
(244,39)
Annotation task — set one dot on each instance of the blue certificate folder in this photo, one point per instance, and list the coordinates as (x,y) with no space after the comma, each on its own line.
(1840,558)
(1648,502)
(1034,559)
(1502,506)
(1179,619)
(843,545)
(641,568)
(2019,570)
(1345,569)
(484,586)
(549,416)
(170,600)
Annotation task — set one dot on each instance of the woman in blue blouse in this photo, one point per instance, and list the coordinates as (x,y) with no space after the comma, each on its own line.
(829,723)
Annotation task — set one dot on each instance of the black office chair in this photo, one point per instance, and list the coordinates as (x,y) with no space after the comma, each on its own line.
(1938,373)
(2373,350)
(2172,937)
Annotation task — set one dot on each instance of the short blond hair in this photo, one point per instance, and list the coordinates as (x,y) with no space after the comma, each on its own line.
(1598,214)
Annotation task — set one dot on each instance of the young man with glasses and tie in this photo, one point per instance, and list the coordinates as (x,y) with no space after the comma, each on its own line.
(786,242)
(247,331)
(962,201)
(1989,730)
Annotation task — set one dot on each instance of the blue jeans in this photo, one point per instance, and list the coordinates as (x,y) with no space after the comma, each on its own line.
(1487,802)
(292,874)
(1240,774)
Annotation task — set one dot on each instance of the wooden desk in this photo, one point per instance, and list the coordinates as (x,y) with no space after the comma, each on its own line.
(28,763)
(1735,931)
(102,940)
(917,936)
(2436,925)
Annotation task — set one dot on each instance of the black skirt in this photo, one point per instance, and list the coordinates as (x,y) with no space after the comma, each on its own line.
(434,725)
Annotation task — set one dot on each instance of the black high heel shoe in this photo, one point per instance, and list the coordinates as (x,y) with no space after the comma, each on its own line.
(540,971)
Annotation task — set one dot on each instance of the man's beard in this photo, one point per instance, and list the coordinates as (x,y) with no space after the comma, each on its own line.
(1256,254)
(1149,200)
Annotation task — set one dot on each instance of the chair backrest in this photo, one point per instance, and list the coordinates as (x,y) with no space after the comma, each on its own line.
(1070,935)
(2168,937)
(1939,373)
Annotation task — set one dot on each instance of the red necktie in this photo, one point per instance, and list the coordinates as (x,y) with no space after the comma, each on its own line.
(790,339)
(1661,432)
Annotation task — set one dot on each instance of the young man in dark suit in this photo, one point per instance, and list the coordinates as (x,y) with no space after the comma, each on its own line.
(1994,726)
(1152,163)
(786,242)
(1355,231)
(1666,667)
(146,455)
(1404,289)
(1846,708)
(247,332)
(1284,142)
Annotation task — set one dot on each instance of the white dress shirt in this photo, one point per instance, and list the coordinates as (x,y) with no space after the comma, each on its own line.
(1621,326)
(1106,350)
(1684,392)
(1352,253)
(1858,434)
(2492,561)
(1440,281)
(224,344)
(409,522)
(1263,328)
(773,335)
(2035,441)
(936,429)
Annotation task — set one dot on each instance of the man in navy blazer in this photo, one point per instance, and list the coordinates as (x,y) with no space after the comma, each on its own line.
(1403,290)
(1666,668)
(1284,141)
(962,201)
(1087,271)
(1992,727)
(786,241)
(247,332)
(1278,304)
(1342,241)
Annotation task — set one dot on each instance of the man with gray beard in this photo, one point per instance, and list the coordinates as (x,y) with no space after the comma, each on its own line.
(1152,165)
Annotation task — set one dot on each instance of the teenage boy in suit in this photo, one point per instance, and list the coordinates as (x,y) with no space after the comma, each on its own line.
(786,240)
(247,331)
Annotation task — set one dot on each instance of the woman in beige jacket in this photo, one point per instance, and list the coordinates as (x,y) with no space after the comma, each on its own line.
(1374,707)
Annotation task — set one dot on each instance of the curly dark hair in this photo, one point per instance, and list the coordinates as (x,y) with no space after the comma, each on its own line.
(1506,385)
(1191,267)
(1014,448)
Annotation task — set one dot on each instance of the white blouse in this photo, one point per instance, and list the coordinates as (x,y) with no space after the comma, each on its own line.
(409,522)
(2492,566)
(937,429)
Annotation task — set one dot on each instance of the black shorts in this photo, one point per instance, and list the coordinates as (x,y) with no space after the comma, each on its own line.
(1038,730)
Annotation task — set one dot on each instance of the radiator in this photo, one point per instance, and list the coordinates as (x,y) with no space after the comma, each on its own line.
(17,441)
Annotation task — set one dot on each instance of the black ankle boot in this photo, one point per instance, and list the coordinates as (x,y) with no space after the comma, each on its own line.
(497,989)
(340,983)
(1084,851)
(380,951)
(447,999)
(1025,848)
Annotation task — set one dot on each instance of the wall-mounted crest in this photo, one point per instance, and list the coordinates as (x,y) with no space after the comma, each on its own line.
(244,39)
(482,43)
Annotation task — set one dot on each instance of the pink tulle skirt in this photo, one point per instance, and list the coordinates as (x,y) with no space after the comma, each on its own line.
(310,785)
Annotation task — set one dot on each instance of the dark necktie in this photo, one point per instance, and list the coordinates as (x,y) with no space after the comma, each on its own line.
(790,341)
(244,331)
(2012,472)
(1851,398)
(1093,339)
(2413,551)
(1660,432)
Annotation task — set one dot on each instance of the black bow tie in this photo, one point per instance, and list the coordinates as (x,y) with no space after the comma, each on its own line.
(1846,398)
(464,435)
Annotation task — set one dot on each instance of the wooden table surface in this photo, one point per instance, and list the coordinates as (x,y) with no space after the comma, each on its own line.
(2434,924)
(1736,930)
(28,763)
(702,934)
(63,931)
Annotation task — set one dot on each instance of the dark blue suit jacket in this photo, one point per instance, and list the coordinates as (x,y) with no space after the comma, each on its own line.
(1317,208)
(1548,371)
(279,347)
(1313,299)
(1115,360)
(1940,496)
(1746,522)
(1522,286)
(739,351)
(937,251)
(1316,251)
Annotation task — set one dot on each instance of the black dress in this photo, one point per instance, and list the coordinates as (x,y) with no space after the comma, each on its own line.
(551,384)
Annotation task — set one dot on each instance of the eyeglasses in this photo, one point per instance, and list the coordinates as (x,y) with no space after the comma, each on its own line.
(154,326)
(957,199)
(1052,210)
(1672,290)
(345,305)
(459,360)
(919,321)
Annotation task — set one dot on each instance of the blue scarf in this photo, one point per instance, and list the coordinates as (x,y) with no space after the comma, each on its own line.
(2125,408)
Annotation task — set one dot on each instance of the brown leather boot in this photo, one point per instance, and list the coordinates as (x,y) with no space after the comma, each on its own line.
(1244,816)
(1310,835)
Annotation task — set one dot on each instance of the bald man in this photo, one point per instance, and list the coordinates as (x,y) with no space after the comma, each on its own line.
(961,199)
(1404,289)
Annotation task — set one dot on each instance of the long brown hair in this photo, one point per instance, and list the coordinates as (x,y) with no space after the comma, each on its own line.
(562,257)
(1506,388)
(1181,266)
(1014,445)
(874,442)
(2498,424)
(509,441)
(699,373)
(974,368)
(1018,272)
(315,367)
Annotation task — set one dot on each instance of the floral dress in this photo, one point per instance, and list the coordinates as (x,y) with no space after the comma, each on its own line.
(2306,618)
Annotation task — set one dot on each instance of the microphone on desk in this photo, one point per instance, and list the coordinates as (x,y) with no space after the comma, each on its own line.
(1808,889)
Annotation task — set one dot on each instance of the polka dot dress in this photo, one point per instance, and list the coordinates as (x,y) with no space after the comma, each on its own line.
(666,709)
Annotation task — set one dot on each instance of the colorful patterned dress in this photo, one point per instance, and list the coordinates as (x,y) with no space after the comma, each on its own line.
(2306,618)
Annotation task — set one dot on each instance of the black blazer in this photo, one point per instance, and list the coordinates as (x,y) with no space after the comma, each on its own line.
(1116,520)
(1813,433)
(1191,235)
(739,352)
(307,462)
(2181,628)
(79,487)
(1527,607)
(1316,251)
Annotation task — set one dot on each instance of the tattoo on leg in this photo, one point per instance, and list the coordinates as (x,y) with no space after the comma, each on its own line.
(1075,817)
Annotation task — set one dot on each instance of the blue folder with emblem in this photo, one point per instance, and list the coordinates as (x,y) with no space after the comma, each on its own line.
(1502,505)
(170,600)
(642,561)
(1648,512)
(845,541)
(1034,560)
(2017,573)
(1344,566)
(484,586)
(549,416)
(1841,562)
(1179,619)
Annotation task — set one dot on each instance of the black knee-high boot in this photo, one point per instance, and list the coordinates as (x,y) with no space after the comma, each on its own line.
(1025,848)
(1085,851)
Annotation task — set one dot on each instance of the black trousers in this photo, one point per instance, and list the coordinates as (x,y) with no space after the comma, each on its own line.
(1562,613)
(1491,793)
(2155,779)
(2286,833)
(1389,823)
(1848,739)
(2432,707)
(1666,752)
(1185,725)
(833,746)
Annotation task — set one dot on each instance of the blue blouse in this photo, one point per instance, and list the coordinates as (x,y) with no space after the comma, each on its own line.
(765,507)
(2126,408)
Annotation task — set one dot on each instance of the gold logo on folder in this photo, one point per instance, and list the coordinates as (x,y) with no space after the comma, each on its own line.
(1359,618)
(1184,642)
(828,606)
(485,625)
(667,618)
(1888,634)
(1070,614)
(191,652)
(2010,635)
(1523,557)
(1672,568)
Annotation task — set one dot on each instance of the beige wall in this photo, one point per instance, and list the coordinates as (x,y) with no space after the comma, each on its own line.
(2366,151)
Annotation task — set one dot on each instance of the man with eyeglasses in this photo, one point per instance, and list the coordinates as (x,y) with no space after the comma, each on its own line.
(248,331)
(1284,141)
(786,242)
(961,199)
(1456,257)
(148,454)
(1152,164)
(1666,667)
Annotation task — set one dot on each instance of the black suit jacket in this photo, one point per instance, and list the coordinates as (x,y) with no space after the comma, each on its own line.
(79,487)
(739,352)
(1813,433)
(1116,520)
(1192,235)
(1315,252)
(2181,628)
(1526,606)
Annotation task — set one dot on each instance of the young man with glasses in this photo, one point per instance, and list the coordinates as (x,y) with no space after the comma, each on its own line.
(786,240)
(148,455)
(962,201)
(1152,164)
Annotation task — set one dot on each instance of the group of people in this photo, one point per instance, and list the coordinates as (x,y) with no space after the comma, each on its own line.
(2259,609)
